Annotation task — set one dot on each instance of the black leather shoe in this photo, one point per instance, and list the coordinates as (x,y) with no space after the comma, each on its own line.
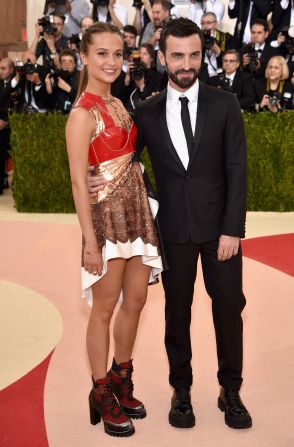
(236,414)
(181,413)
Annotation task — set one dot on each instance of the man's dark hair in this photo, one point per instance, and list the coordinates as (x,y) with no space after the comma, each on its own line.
(166,4)
(179,28)
(58,14)
(234,52)
(68,52)
(261,22)
(130,29)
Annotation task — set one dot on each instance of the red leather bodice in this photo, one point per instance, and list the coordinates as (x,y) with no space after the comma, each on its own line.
(113,141)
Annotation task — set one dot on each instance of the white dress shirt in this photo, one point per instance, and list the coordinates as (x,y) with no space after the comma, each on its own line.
(247,30)
(174,121)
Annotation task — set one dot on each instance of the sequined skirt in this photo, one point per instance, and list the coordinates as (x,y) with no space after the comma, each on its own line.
(122,219)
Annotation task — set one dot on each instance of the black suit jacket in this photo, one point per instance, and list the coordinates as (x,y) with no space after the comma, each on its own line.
(6,102)
(242,87)
(260,10)
(280,18)
(267,53)
(209,198)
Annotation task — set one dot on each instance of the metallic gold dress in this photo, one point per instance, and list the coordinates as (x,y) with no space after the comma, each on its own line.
(122,218)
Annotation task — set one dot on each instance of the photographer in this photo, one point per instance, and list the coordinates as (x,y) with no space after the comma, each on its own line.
(6,105)
(282,17)
(29,85)
(215,43)
(235,81)
(62,85)
(143,14)
(275,93)
(257,53)
(160,15)
(73,10)
(197,8)
(52,42)
(145,79)
(110,11)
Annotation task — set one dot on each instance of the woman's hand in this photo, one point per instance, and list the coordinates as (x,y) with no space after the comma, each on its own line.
(93,262)
(264,101)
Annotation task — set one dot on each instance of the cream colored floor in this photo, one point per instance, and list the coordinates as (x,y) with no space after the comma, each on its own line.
(40,308)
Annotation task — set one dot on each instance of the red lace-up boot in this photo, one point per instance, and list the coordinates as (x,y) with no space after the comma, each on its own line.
(123,387)
(103,405)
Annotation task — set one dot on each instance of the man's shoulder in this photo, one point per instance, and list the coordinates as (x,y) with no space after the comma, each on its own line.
(151,103)
(213,93)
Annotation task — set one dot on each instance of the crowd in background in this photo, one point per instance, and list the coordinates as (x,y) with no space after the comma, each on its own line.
(256,63)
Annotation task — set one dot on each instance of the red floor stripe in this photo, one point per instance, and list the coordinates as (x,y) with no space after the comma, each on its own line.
(276,251)
(22,421)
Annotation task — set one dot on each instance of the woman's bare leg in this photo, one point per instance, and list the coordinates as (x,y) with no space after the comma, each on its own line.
(106,292)
(135,284)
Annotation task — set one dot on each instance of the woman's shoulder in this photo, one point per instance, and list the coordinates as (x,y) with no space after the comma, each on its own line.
(87,100)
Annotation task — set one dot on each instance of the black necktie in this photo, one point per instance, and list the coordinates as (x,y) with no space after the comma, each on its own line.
(186,122)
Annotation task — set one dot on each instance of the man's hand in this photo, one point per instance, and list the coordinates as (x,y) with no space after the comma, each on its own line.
(64,85)
(95,183)
(216,49)
(34,77)
(3,124)
(246,59)
(228,246)
(50,42)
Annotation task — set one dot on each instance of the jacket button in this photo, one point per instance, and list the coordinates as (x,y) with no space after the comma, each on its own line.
(187,177)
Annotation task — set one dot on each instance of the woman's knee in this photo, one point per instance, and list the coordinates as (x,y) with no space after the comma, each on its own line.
(135,303)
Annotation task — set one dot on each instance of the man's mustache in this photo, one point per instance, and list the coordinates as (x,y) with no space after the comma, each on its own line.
(182,71)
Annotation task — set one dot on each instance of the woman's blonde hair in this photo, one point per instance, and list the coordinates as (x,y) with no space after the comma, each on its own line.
(97,28)
(282,61)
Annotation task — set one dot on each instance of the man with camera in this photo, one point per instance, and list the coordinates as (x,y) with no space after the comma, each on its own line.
(235,81)
(246,11)
(6,104)
(197,8)
(29,85)
(62,84)
(110,11)
(215,42)
(258,52)
(49,40)
(282,18)
(160,15)
(73,10)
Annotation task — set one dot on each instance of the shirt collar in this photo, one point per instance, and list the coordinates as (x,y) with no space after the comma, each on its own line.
(231,76)
(191,93)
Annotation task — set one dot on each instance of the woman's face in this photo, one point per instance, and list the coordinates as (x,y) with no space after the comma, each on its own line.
(145,57)
(105,57)
(275,70)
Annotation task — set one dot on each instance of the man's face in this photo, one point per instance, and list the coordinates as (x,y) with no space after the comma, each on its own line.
(68,63)
(130,39)
(86,23)
(230,63)
(159,14)
(258,34)
(59,25)
(5,70)
(208,22)
(182,60)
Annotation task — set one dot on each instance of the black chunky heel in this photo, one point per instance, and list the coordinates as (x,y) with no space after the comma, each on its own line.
(95,417)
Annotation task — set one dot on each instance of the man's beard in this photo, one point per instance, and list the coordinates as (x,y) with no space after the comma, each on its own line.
(183,82)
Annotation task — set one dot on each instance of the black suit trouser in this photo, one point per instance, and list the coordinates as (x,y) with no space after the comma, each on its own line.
(223,283)
(4,148)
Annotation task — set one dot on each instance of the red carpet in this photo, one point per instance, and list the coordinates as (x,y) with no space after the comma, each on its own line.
(276,251)
(22,421)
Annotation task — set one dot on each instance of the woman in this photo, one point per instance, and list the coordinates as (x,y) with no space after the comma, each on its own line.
(275,92)
(120,247)
(145,79)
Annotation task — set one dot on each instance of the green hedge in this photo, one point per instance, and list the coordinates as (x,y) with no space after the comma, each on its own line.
(41,175)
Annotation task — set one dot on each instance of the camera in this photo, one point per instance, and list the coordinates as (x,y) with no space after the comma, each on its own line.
(251,49)
(139,66)
(137,4)
(76,39)
(100,2)
(58,73)
(223,81)
(275,97)
(26,69)
(288,33)
(209,36)
(47,24)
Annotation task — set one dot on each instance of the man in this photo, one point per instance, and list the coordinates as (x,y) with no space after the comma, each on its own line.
(200,174)
(282,17)
(85,23)
(196,10)
(235,81)
(255,61)
(51,44)
(62,87)
(73,10)
(245,11)
(110,11)
(215,42)
(6,104)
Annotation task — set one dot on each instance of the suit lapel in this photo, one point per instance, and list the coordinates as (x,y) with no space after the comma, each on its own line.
(163,129)
(200,120)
